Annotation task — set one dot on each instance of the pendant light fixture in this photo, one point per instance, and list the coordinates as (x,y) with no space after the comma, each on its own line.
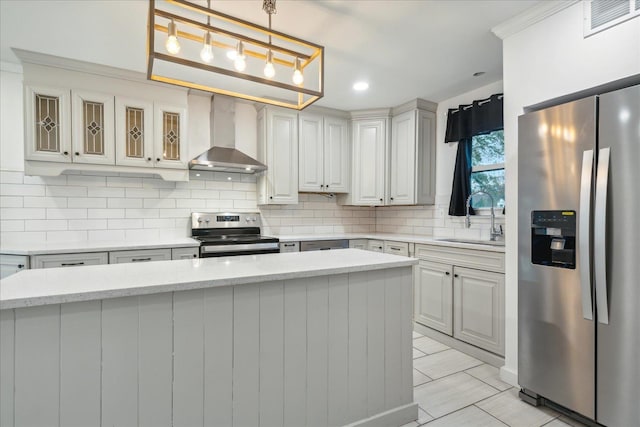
(172,44)
(206,54)
(259,56)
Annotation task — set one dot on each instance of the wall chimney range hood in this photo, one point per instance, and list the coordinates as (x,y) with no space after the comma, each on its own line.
(223,156)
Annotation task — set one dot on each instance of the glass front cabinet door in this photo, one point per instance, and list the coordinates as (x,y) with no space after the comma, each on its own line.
(134,132)
(93,123)
(47,124)
(170,136)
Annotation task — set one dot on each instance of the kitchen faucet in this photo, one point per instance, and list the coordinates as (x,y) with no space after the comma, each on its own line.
(494,232)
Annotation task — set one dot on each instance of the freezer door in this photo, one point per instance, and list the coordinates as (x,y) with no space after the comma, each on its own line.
(556,339)
(618,370)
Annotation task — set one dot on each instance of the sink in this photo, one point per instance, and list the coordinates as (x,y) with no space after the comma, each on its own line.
(475,242)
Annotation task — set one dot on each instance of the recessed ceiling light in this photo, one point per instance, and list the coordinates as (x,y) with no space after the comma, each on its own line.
(478,73)
(360,86)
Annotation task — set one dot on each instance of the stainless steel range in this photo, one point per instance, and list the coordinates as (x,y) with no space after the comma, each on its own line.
(228,234)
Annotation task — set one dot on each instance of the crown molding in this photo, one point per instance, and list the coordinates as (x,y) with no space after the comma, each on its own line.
(531,16)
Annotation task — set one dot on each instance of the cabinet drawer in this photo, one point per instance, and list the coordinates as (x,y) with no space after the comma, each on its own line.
(358,244)
(185,253)
(10,264)
(69,260)
(375,245)
(290,247)
(396,248)
(473,258)
(147,255)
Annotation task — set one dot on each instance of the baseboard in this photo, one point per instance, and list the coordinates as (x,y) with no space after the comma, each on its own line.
(394,417)
(471,350)
(509,376)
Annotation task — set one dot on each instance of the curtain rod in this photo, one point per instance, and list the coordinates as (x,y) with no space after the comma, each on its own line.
(480,102)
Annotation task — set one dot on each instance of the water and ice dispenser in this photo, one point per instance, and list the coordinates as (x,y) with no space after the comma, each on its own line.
(553,238)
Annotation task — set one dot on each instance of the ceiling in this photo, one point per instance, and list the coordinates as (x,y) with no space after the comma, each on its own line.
(405,49)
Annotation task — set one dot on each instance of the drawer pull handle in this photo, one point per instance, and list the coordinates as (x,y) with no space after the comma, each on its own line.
(394,249)
(140,259)
(71,264)
(289,245)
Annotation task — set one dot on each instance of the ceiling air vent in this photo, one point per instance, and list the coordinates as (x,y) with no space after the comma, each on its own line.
(602,14)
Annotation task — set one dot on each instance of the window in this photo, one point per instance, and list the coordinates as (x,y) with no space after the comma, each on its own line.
(487,168)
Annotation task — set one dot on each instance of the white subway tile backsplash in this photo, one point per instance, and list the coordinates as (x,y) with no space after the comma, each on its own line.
(142,213)
(142,193)
(159,223)
(125,224)
(105,192)
(86,181)
(159,203)
(10,177)
(102,235)
(174,213)
(191,203)
(11,225)
(66,191)
(205,194)
(23,213)
(118,202)
(46,225)
(122,181)
(45,202)
(21,190)
(66,213)
(87,224)
(12,202)
(105,213)
(157,183)
(66,236)
(90,202)
(45,180)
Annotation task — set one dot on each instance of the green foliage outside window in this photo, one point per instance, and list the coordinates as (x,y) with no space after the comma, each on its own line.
(487,161)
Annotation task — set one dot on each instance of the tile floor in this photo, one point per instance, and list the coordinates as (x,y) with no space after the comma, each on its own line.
(453,389)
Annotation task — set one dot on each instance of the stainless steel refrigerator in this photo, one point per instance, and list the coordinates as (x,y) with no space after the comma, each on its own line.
(579,257)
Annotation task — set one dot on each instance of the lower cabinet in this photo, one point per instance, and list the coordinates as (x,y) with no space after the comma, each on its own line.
(144,255)
(289,247)
(11,264)
(466,303)
(375,245)
(359,244)
(185,253)
(69,260)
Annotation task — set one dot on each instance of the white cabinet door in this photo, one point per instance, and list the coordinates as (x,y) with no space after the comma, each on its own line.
(134,132)
(337,155)
(185,253)
(311,153)
(402,165)
(93,128)
(11,264)
(69,260)
(425,172)
(47,124)
(170,136)
(278,149)
(433,296)
(479,308)
(369,158)
(143,255)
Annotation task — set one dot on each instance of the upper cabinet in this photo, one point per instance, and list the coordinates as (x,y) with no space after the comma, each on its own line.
(395,167)
(412,158)
(278,149)
(324,153)
(71,126)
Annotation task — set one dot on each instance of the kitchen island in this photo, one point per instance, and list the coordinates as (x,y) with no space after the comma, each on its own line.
(313,338)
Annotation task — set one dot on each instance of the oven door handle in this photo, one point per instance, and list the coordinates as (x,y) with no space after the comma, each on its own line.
(238,248)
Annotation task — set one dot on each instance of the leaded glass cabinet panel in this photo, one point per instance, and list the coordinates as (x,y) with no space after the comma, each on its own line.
(93,128)
(170,136)
(134,132)
(47,123)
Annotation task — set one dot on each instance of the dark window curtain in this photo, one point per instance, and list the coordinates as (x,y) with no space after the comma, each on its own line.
(463,123)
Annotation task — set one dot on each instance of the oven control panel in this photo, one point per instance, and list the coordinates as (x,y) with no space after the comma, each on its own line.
(201,220)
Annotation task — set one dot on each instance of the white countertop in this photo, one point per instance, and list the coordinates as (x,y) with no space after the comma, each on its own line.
(70,284)
(388,236)
(42,248)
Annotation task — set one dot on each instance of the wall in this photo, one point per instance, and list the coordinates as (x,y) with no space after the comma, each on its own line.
(544,61)
(433,220)
(115,206)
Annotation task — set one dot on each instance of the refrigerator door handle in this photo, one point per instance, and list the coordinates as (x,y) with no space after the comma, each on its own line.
(584,234)
(599,231)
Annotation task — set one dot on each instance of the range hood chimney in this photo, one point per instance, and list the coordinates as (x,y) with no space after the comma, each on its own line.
(223,155)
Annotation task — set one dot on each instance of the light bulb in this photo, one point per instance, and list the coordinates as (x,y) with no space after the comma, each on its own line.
(269,70)
(239,62)
(298,78)
(206,54)
(231,54)
(172,44)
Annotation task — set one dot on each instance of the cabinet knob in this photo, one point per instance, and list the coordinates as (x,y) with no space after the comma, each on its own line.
(327,186)
(381,199)
(455,275)
(158,159)
(77,154)
(148,159)
(20,265)
(321,186)
(66,153)
(392,198)
(447,273)
(271,197)
(195,255)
